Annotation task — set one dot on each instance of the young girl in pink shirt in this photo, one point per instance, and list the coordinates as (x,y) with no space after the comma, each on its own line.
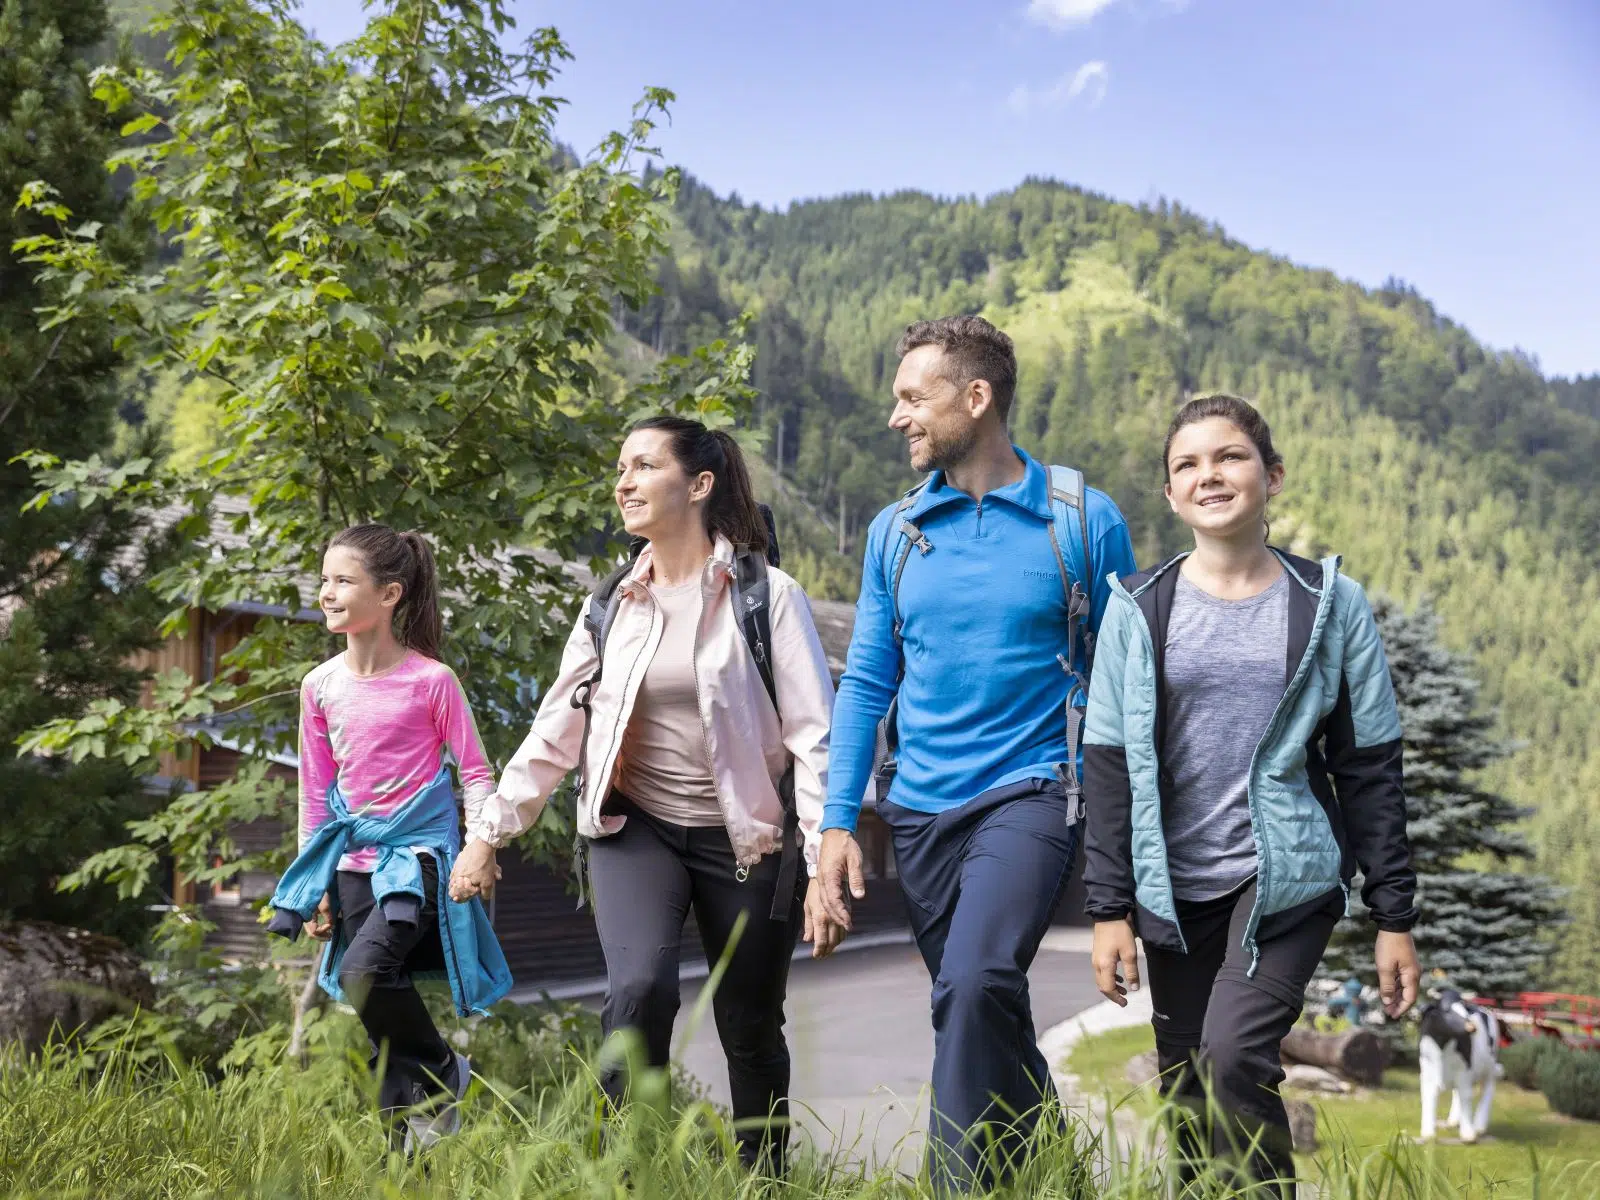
(379,726)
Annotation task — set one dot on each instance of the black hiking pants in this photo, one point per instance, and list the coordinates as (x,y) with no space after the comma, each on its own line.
(1217,1023)
(375,974)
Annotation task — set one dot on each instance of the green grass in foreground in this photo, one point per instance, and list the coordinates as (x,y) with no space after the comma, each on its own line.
(1531,1152)
(69,1129)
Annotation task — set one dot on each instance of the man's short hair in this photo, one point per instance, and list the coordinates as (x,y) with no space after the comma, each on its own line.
(973,349)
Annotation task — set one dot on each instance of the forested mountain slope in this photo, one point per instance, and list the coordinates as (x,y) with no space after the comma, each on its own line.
(1441,470)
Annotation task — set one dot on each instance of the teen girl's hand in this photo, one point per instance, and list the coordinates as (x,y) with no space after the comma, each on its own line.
(822,931)
(1398,971)
(1114,947)
(475,872)
(321,924)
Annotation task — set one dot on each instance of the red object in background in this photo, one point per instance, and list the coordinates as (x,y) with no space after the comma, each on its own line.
(1572,1018)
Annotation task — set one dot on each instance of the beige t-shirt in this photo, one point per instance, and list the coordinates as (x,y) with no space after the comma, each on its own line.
(664,768)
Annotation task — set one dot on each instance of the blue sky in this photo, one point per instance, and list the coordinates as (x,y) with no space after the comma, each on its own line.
(1452,143)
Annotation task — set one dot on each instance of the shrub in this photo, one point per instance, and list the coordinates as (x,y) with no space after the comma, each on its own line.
(1521,1059)
(1571,1082)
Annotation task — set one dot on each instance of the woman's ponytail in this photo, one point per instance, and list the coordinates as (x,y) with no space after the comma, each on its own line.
(406,559)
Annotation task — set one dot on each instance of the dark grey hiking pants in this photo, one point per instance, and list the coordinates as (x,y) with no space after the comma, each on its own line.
(645,880)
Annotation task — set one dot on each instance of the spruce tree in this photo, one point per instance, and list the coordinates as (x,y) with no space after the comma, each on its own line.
(71,610)
(1483,928)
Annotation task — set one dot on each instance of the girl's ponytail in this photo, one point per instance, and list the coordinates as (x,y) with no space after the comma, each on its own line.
(402,558)
(423,627)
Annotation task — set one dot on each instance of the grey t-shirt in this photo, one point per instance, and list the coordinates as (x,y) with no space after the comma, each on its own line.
(1225,674)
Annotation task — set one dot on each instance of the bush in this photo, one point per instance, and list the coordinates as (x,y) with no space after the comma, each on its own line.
(1571,1082)
(1521,1059)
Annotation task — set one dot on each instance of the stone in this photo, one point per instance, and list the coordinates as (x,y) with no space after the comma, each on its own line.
(55,981)
(1142,1068)
(1315,1079)
(1302,1125)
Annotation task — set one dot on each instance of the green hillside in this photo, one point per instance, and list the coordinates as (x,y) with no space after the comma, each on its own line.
(1437,467)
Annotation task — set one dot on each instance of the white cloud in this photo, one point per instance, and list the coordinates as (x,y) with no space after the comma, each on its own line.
(1061,15)
(1092,79)
(1066,14)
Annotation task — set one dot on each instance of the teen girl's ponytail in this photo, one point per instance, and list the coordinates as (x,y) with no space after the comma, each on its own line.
(731,509)
(406,559)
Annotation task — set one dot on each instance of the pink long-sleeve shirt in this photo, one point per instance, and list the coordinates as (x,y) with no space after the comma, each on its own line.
(383,738)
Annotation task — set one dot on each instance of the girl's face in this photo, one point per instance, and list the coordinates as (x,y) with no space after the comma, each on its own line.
(653,491)
(1216,481)
(351,600)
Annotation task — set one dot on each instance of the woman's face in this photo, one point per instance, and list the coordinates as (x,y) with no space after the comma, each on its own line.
(351,600)
(1216,481)
(656,496)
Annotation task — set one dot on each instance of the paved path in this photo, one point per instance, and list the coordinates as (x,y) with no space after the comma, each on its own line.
(862,1044)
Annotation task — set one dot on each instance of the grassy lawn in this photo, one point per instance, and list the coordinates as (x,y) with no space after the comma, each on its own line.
(1522,1129)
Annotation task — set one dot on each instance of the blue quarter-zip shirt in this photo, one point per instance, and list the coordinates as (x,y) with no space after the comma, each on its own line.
(983,618)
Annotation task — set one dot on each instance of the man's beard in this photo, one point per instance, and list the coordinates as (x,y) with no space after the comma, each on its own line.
(942,451)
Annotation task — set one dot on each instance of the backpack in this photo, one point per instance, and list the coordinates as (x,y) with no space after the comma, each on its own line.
(752,603)
(1069,525)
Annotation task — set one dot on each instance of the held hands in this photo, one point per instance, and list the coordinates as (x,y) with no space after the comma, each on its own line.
(1115,948)
(475,872)
(321,924)
(827,910)
(1398,971)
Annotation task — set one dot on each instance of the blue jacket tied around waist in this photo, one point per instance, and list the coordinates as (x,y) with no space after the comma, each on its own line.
(473,960)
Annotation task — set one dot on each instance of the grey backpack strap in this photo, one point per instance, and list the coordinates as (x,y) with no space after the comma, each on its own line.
(1069,515)
(904,535)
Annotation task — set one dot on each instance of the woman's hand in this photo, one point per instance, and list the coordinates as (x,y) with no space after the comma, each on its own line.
(1115,947)
(321,924)
(475,872)
(822,931)
(1398,972)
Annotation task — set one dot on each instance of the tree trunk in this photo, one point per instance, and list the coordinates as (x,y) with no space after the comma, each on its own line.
(1356,1054)
(310,997)
(841,522)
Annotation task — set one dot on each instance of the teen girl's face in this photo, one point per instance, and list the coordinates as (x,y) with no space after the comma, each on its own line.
(656,495)
(350,598)
(1216,481)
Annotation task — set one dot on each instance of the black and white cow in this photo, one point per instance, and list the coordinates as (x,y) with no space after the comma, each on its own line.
(1460,1042)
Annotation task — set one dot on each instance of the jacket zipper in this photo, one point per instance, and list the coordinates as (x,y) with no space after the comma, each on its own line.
(1264,877)
(1155,757)
(742,869)
(621,725)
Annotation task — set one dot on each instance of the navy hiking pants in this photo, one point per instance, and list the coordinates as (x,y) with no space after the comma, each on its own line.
(981,883)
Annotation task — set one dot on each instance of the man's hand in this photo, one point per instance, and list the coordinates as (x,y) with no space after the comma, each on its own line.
(321,924)
(1398,972)
(839,859)
(1114,947)
(822,931)
(475,872)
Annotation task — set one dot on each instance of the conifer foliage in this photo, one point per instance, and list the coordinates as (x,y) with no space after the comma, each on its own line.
(1485,927)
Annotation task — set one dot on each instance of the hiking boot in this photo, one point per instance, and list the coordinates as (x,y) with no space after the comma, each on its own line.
(443,1116)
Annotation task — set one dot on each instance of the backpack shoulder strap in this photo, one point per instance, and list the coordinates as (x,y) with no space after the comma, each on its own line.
(903,535)
(752,599)
(1069,525)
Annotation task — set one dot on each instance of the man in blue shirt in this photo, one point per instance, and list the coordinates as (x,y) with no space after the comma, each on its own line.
(963,623)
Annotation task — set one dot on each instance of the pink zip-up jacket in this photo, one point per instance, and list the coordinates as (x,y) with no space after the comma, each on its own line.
(748,748)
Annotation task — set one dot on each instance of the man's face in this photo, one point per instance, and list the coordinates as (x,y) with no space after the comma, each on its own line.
(932,413)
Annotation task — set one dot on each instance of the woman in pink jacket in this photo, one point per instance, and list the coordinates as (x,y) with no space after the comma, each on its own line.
(683,760)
